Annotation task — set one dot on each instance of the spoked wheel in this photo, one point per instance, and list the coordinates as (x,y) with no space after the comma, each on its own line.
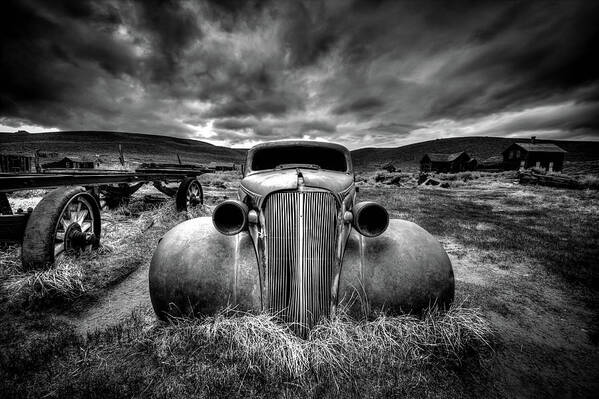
(75,232)
(189,194)
(194,195)
(66,221)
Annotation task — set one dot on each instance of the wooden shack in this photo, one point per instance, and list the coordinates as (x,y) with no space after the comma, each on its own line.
(447,163)
(528,155)
(71,162)
(16,163)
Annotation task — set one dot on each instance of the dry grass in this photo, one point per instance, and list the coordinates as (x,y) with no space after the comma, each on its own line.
(22,286)
(29,193)
(550,227)
(221,179)
(129,237)
(589,181)
(63,281)
(333,349)
(235,354)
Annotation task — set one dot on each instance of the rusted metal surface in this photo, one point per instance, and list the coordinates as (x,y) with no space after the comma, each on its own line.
(258,186)
(196,270)
(403,270)
(301,243)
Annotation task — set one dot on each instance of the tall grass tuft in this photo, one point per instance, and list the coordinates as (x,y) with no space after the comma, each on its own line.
(63,281)
(590,181)
(339,350)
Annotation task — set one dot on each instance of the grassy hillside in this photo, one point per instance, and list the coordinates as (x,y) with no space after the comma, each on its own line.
(480,148)
(145,148)
(136,147)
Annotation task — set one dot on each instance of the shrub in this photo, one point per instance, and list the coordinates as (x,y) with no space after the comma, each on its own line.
(590,181)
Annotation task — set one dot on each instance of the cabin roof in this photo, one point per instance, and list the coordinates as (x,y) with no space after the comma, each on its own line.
(545,147)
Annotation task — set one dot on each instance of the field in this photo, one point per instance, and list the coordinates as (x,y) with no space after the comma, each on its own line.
(525,322)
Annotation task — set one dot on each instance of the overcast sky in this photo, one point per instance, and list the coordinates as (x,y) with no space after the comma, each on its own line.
(361,73)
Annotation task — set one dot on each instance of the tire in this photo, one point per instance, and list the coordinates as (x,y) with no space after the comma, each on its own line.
(188,185)
(38,250)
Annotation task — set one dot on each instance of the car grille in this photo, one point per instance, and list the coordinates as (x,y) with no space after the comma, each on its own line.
(300,246)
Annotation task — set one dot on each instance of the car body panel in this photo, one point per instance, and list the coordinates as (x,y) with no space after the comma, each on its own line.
(197,271)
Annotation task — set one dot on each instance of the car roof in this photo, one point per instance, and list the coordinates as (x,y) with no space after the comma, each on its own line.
(304,143)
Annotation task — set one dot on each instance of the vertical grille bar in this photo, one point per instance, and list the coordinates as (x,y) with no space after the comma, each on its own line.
(300,242)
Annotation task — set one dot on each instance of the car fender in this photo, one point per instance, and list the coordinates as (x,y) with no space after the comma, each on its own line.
(403,270)
(196,270)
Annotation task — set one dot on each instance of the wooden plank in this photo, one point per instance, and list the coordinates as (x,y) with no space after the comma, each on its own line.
(9,183)
(528,177)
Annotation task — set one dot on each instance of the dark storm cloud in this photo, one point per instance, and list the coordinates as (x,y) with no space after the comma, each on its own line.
(395,127)
(237,72)
(318,126)
(234,124)
(530,53)
(170,27)
(360,105)
(257,107)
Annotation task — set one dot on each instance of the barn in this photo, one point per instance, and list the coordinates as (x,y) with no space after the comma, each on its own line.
(528,155)
(16,163)
(71,162)
(447,163)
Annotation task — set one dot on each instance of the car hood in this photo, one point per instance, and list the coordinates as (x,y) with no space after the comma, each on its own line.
(260,184)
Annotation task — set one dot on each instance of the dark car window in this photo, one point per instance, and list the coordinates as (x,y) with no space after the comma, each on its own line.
(325,158)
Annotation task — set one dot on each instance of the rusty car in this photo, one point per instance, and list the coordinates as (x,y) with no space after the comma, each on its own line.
(296,243)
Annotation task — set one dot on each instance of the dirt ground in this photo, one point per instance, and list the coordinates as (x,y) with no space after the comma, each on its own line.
(545,343)
(508,245)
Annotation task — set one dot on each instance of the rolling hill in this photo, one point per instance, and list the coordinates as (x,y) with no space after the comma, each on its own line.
(136,147)
(152,148)
(480,148)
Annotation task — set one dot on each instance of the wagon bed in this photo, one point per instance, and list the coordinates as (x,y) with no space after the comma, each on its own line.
(68,218)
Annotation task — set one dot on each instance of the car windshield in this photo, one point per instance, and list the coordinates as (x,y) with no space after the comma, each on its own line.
(298,156)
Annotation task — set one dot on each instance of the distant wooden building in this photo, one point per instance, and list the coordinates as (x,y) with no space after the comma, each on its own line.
(447,163)
(528,155)
(71,162)
(16,163)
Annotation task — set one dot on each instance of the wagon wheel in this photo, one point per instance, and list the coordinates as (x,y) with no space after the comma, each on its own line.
(66,221)
(189,194)
(112,197)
